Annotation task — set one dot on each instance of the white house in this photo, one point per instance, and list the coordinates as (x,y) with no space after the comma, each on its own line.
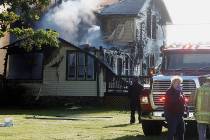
(136,27)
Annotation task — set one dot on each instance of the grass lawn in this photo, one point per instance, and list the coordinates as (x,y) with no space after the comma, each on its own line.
(87,123)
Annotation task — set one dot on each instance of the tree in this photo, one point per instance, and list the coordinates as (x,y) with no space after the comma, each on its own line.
(18,18)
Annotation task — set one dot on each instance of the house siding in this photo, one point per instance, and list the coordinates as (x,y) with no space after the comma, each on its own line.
(2,61)
(3,42)
(55,83)
(102,83)
(69,88)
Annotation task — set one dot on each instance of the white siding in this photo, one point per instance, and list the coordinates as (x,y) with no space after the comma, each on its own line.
(2,61)
(102,83)
(69,88)
(55,83)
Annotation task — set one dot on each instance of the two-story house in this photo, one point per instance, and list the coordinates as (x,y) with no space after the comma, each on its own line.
(136,27)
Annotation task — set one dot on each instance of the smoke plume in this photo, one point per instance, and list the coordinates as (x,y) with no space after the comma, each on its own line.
(72,19)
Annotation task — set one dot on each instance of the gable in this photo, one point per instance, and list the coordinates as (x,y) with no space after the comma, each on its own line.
(163,11)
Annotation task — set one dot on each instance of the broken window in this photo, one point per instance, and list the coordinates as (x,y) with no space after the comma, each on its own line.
(131,68)
(149,18)
(126,65)
(119,66)
(154,22)
(25,66)
(80,66)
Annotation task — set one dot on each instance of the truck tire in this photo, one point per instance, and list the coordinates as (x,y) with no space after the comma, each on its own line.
(151,128)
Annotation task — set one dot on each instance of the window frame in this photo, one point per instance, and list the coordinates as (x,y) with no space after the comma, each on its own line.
(68,65)
(86,56)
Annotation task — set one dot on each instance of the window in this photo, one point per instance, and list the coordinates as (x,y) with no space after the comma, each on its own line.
(72,66)
(90,68)
(80,66)
(119,66)
(197,60)
(27,66)
(149,18)
(126,65)
(154,30)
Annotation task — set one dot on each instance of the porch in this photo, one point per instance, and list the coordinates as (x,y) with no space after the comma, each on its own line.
(117,90)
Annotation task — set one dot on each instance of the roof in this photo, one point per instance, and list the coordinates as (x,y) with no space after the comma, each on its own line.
(16,44)
(82,50)
(133,8)
(124,7)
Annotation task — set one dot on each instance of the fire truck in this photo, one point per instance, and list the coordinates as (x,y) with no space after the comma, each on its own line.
(191,62)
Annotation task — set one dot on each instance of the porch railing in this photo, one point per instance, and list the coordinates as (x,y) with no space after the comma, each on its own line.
(119,84)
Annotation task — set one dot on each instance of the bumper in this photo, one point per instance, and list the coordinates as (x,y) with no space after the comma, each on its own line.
(159,116)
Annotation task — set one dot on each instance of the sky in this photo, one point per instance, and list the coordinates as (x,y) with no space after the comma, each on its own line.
(191,21)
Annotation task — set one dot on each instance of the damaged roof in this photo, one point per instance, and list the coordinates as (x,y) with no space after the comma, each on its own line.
(16,44)
(124,7)
(133,8)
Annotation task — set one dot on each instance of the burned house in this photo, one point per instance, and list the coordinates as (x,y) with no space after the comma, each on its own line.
(136,28)
(133,32)
(67,71)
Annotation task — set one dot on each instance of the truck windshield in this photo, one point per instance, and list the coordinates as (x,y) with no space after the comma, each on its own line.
(188,61)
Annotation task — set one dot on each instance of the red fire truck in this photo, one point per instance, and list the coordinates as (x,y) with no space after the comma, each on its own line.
(189,61)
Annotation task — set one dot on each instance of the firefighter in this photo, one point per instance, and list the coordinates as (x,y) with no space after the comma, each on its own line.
(134,92)
(202,109)
(174,108)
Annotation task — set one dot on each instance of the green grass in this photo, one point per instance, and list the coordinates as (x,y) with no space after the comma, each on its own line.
(65,124)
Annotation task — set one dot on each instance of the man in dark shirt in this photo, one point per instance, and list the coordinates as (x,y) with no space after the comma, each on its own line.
(134,92)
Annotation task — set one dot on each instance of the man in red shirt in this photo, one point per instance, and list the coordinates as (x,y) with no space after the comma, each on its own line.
(174,110)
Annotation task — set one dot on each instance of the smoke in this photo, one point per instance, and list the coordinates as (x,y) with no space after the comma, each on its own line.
(72,19)
(94,38)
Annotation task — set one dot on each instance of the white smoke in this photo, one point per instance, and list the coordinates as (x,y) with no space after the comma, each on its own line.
(94,38)
(67,17)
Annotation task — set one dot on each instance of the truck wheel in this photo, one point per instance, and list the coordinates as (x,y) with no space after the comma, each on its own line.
(152,127)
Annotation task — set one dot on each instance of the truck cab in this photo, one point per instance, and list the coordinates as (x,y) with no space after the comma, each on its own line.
(191,62)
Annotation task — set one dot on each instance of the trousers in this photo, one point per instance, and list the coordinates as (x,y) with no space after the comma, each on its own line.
(135,106)
(202,130)
(176,127)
